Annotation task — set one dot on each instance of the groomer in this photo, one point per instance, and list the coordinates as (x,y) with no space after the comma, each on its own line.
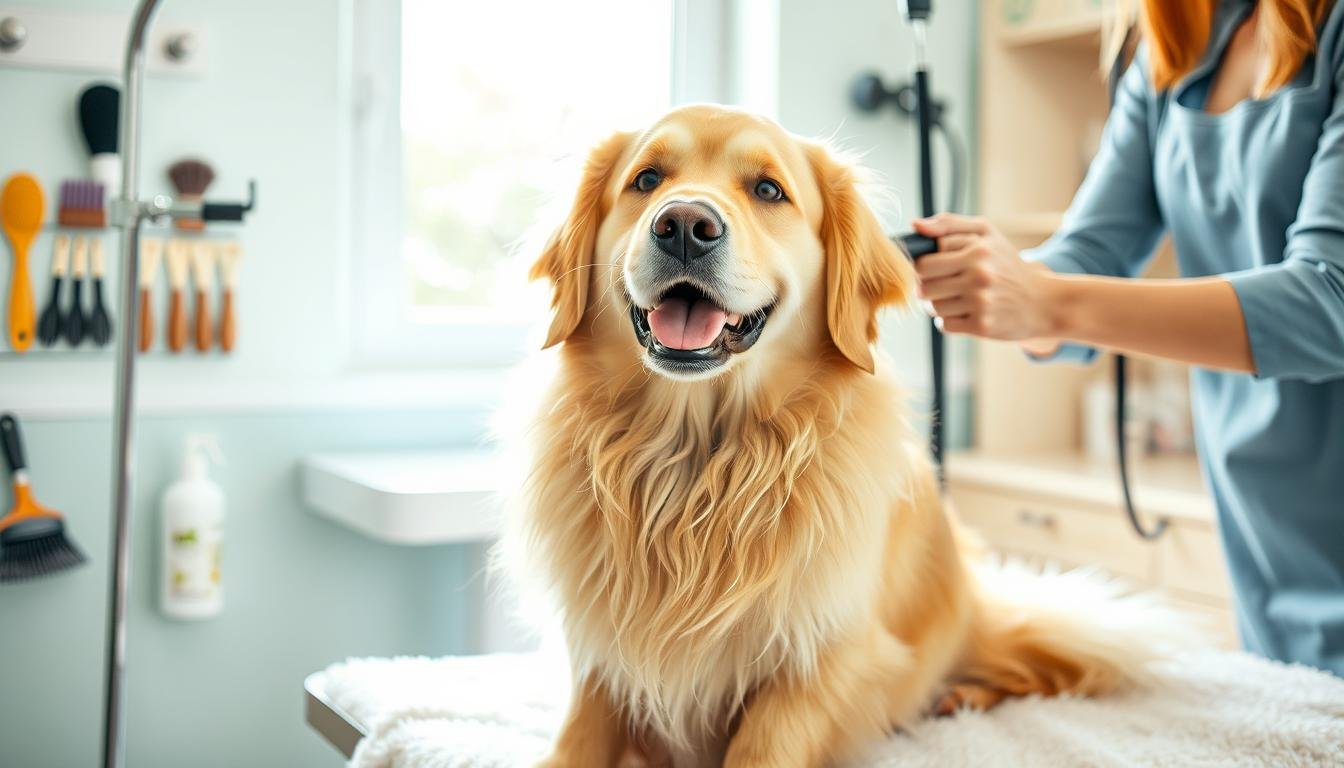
(1228,133)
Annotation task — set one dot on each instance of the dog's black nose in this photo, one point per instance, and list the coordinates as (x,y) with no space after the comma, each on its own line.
(686,231)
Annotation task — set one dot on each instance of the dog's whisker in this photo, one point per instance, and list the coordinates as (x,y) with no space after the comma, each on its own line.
(580,267)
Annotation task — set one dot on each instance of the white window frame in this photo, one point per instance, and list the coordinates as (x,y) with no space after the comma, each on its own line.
(382,335)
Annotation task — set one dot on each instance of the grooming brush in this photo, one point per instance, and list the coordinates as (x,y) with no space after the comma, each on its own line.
(51,323)
(100,321)
(151,253)
(76,321)
(229,254)
(202,274)
(82,204)
(190,178)
(21,208)
(179,255)
(32,538)
(99,111)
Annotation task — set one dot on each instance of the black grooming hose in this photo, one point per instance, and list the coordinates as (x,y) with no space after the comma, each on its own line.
(1117,71)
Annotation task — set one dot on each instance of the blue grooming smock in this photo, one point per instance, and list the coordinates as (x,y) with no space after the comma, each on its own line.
(1255,194)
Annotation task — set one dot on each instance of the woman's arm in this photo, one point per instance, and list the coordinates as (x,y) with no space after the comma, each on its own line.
(1281,320)
(980,285)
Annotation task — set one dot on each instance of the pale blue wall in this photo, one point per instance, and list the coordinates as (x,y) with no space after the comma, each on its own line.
(301,593)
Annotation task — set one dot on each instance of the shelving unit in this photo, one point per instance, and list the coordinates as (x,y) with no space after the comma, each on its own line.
(39,266)
(1067,23)
(416,498)
(1027,484)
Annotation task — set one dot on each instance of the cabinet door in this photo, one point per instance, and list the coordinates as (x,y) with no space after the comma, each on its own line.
(1190,558)
(1051,530)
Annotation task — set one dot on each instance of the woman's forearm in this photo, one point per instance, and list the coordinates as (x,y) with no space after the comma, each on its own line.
(1196,320)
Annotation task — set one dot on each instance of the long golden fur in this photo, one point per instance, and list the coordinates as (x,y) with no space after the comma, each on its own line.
(755,567)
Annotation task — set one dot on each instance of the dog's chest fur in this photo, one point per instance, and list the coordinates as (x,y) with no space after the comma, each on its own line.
(698,547)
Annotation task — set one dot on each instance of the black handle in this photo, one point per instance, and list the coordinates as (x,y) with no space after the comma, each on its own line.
(223,211)
(917,245)
(916,9)
(9,434)
(230,211)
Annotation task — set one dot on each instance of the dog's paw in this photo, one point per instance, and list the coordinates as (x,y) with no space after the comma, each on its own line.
(967,696)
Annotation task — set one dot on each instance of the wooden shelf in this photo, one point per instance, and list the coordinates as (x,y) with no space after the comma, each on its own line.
(1082,30)
(1167,486)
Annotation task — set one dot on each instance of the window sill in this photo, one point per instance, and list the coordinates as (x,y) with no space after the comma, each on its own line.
(206,392)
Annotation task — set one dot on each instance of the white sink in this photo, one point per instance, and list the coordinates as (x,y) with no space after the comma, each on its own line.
(407,498)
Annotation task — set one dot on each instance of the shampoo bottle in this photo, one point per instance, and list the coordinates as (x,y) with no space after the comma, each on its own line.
(192,516)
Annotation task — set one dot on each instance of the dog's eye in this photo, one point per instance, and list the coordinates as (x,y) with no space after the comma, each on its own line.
(647,180)
(768,190)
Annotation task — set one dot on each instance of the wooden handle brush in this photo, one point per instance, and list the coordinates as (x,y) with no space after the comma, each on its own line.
(179,256)
(151,254)
(190,178)
(202,275)
(229,254)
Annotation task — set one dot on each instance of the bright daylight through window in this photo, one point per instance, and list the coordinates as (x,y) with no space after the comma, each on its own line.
(494,99)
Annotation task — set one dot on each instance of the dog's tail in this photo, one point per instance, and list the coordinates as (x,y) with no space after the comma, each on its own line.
(1071,632)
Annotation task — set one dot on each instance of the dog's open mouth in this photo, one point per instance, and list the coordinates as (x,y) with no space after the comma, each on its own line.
(688,328)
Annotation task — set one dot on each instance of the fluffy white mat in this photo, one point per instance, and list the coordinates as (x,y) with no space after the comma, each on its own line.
(1210,709)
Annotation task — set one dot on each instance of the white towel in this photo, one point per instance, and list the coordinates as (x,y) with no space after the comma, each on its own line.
(1209,709)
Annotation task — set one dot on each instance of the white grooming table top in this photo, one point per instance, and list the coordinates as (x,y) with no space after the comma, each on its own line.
(499,711)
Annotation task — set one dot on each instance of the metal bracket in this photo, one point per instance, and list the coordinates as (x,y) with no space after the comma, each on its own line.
(92,42)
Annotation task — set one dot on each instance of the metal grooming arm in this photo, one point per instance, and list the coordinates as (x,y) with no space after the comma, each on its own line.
(128,213)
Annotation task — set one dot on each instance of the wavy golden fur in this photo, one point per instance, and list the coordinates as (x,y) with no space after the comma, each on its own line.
(756,568)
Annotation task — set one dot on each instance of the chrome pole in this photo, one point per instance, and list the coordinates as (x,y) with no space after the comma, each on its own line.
(123,446)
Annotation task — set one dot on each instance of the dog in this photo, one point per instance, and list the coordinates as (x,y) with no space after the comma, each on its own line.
(744,535)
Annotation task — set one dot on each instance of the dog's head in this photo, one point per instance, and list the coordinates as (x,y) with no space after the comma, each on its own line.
(714,235)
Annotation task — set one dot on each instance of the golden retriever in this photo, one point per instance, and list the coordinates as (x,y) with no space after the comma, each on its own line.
(745,539)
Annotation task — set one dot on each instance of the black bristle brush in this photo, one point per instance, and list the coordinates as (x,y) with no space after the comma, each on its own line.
(99,112)
(32,538)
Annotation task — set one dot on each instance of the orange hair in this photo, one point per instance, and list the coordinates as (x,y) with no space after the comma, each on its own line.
(1178,32)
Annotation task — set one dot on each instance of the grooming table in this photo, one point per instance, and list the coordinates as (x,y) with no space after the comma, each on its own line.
(1210,708)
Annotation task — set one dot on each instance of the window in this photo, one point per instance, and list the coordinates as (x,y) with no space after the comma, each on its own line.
(465,115)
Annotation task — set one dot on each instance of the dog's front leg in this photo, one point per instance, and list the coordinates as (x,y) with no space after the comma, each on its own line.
(854,695)
(596,735)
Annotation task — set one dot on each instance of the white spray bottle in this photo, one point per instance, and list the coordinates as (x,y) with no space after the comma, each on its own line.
(192,518)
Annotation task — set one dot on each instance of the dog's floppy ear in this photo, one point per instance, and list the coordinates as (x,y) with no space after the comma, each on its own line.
(864,268)
(568,255)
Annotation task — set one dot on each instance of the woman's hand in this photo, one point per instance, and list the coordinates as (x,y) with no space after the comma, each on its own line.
(979,284)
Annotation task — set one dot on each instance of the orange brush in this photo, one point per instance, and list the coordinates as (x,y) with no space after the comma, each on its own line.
(32,537)
(178,255)
(21,207)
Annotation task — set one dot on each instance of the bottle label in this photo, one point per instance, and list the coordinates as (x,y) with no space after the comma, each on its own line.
(194,562)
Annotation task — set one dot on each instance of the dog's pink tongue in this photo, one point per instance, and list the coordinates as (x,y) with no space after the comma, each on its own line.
(679,324)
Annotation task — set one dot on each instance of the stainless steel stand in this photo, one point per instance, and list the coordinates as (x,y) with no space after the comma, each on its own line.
(128,215)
